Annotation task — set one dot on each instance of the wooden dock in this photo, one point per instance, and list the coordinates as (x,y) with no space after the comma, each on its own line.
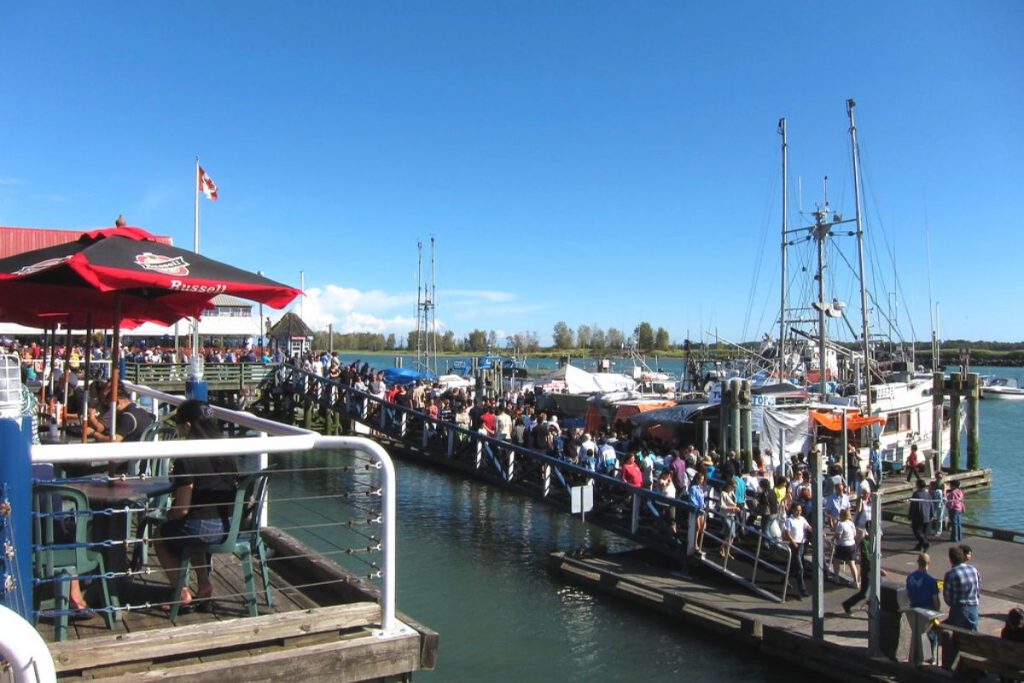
(702,598)
(324,626)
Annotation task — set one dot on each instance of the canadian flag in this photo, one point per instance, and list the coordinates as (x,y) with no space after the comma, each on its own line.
(206,185)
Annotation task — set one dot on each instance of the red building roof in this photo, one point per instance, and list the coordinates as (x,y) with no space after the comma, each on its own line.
(19,240)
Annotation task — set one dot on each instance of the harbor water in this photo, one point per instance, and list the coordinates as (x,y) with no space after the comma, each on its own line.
(473,566)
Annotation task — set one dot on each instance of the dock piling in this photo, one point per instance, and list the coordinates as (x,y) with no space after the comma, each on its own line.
(973,421)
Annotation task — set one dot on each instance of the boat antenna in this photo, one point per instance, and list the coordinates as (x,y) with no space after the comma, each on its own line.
(865,323)
(779,355)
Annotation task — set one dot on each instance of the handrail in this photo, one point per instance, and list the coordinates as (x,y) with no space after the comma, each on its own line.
(995,533)
(284,438)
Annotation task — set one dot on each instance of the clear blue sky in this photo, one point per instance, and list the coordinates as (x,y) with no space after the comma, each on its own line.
(592,162)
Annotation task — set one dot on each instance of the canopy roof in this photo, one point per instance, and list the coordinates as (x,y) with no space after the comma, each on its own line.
(579,381)
(833,421)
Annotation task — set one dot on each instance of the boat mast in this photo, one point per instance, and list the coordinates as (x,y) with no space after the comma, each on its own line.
(779,355)
(821,231)
(865,322)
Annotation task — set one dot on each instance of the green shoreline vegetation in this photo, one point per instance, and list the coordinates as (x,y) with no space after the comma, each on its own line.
(591,341)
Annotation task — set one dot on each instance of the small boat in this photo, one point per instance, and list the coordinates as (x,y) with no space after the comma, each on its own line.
(1003,388)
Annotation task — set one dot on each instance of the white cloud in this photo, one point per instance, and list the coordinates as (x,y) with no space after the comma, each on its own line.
(10,181)
(352,310)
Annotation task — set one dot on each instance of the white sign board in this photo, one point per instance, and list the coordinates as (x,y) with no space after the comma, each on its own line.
(582,499)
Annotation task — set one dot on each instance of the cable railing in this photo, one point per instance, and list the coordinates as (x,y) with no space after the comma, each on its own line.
(348,482)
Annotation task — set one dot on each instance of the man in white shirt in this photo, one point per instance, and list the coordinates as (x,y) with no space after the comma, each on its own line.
(795,532)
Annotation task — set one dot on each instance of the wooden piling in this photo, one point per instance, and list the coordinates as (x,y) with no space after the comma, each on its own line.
(955,387)
(973,421)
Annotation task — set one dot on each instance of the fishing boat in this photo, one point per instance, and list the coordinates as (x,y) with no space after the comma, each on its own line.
(1003,389)
(867,383)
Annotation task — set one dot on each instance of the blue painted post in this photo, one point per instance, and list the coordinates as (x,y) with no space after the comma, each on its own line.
(195,385)
(16,483)
(196,388)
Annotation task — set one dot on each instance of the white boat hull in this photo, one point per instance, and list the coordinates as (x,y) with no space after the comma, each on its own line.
(1002,394)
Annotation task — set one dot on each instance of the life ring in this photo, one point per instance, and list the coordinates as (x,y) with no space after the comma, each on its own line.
(25,650)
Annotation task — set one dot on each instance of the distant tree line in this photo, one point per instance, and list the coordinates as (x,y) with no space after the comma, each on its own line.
(593,338)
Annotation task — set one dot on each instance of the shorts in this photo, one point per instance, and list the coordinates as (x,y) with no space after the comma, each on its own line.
(844,553)
(191,532)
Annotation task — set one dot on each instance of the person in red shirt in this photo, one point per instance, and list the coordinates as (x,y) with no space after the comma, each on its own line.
(913,463)
(631,473)
(488,419)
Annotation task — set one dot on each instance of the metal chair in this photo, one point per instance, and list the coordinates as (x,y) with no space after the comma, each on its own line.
(60,534)
(244,524)
(250,528)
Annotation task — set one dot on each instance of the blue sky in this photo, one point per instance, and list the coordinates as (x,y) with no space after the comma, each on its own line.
(591,162)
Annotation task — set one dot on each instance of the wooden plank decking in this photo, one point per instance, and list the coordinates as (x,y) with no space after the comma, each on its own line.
(706,600)
(324,626)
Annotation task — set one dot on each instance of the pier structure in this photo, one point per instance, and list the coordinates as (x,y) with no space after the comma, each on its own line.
(710,588)
(312,615)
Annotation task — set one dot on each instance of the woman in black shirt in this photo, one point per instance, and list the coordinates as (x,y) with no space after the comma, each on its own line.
(204,493)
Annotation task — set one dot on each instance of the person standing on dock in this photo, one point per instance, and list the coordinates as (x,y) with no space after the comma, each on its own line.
(923,592)
(699,503)
(875,461)
(835,504)
(955,506)
(938,494)
(631,473)
(913,463)
(845,547)
(796,533)
(921,515)
(866,557)
(961,590)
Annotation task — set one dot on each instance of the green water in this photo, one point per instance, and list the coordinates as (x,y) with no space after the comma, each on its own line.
(472,565)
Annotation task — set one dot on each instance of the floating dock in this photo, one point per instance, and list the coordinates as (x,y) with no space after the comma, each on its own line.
(701,598)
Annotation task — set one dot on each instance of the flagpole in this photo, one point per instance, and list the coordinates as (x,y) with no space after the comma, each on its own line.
(196,362)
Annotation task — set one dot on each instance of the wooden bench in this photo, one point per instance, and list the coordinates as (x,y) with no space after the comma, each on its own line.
(982,652)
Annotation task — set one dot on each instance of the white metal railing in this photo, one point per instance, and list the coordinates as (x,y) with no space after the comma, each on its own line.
(282,439)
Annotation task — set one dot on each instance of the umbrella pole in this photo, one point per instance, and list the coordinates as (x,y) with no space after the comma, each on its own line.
(88,375)
(115,365)
(66,377)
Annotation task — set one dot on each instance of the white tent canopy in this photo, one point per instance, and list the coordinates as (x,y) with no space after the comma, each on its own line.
(577,381)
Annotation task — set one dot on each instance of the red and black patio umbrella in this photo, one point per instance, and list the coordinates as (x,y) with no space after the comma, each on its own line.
(151,281)
(112,276)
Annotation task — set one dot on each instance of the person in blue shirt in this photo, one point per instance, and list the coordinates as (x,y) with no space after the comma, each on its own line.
(698,502)
(741,498)
(923,592)
(875,461)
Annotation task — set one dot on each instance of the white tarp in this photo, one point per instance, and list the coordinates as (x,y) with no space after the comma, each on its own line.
(577,381)
(795,424)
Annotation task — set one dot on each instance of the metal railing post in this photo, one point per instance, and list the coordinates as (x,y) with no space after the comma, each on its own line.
(634,522)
